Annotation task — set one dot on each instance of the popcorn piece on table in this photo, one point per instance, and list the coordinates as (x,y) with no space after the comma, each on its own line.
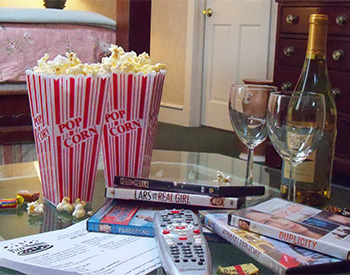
(35,208)
(222,178)
(79,211)
(65,205)
(77,207)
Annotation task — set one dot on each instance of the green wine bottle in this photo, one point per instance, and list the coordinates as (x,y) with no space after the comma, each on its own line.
(314,175)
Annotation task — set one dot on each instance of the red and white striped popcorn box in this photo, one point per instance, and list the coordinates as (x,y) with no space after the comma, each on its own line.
(67,114)
(131,116)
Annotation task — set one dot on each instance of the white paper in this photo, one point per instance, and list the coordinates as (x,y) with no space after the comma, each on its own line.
(75,250)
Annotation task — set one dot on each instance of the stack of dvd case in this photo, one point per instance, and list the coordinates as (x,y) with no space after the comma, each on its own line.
(279,256)
(132,218)
(297,224)
(203,194)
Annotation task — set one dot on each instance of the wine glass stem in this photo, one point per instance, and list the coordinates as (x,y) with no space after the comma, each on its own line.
(249,174)
(292,186)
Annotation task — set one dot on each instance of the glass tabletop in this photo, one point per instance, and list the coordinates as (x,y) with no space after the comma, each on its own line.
(176,165)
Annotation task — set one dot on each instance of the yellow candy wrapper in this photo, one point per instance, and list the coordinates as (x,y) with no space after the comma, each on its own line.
(244,269)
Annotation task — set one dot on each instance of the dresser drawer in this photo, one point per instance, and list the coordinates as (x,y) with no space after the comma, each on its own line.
(286,81)
(296,19)
(338,55)
(340,85)
(291,53)
(343,134)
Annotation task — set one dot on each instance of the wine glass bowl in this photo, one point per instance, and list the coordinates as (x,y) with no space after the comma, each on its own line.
(295,126)
(247,109)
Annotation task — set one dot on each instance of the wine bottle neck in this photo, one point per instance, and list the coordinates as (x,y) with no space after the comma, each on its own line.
(316,47)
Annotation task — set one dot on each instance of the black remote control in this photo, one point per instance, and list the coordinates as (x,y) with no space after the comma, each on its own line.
(182,246)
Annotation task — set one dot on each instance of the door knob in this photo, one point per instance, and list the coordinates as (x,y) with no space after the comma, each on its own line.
(208,12)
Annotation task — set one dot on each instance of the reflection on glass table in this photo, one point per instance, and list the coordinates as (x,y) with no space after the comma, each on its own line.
(169,165)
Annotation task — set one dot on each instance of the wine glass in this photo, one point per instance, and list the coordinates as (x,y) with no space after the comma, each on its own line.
(295,126)
(247,108)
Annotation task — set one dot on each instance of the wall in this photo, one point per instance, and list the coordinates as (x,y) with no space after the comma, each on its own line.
(104,7)
(176,39)
(168,45)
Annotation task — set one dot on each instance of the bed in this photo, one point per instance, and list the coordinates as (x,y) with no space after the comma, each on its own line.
(25,36)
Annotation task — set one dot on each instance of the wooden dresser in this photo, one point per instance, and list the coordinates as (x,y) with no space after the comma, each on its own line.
(291,42)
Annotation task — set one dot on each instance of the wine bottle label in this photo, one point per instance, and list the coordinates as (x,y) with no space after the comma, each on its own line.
(314,172)
(305,172)
(298,142)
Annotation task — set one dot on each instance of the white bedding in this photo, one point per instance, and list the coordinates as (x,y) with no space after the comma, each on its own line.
(17,15)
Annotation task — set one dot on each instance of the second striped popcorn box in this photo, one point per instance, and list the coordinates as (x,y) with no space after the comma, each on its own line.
(131,116)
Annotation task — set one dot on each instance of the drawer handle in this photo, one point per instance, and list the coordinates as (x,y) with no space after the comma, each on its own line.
(341,20)
(288,51)
(286,86)
(338,54)
(292,19)
(336,92)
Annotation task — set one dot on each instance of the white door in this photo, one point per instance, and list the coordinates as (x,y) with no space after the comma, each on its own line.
(236,47)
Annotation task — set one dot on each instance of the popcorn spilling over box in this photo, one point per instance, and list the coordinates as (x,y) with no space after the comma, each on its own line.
(67,101)
(131,113)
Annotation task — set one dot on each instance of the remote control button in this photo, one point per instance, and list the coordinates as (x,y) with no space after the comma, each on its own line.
(166,232)
(179,243)
(175,211)
(180,227)
(177,261)
(185,260)
(170,227)
(193,260)
(182,238)
(200,263)
(196,231)
(189,243)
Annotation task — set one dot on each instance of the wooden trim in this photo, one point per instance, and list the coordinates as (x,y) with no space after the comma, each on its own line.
(134,25)
(123,18)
